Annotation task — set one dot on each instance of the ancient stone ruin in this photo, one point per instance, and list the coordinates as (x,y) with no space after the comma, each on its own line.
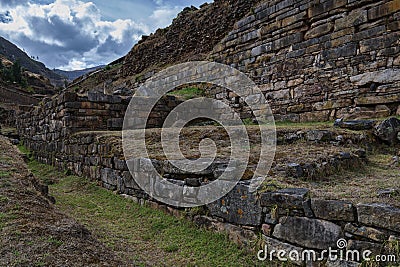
(314,60)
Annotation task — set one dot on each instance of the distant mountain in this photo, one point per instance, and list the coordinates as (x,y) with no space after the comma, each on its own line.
(72,75)
(13,53)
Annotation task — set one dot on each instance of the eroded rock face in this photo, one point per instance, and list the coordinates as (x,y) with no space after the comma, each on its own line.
(388,130)
(306,232)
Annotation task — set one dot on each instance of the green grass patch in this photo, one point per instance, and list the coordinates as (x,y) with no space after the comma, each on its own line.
(4,174)
(54,241)
(153,236)
(288,124)
(188,93)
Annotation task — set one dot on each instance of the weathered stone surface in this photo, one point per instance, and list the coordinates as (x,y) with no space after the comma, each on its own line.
(319,30)
(384,76)
(371,100)
(367,232)
(315,116)
(358,125)
(342,263)
(308,212)
(362,246)
(306,232)
(383,111)
(289,198)
(388,130)
(294,170)
(266,229)
(354,18)
(109,176)
(272,244)
(383,9)
(379,215)
(333,210)
(238,235)
(238,206)
(319,136)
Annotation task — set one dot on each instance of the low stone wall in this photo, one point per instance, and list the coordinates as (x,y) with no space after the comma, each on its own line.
(58,117)
(286,219)
(16,97)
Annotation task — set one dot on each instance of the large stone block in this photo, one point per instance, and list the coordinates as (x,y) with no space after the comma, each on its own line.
(382,76)
(371,100)
(333,210)
(319,136)
(354,18)
(388,130)
(319,31)
(315,116)
(384,9)
(109,176)
(367,232)
(289,198)
(379,215)
(325,7)
(309,233)
(239,206)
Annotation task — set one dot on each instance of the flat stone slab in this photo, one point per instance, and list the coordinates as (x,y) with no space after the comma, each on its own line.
(357,125)
(382,76)
(309,233)
(289,198)
(367,232)
(333,210)
(379,215)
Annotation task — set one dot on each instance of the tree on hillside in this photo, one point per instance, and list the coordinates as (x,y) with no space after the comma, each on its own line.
(13,74)
(17,72)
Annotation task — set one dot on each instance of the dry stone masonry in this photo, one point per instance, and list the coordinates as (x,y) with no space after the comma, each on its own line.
(286,218)
(320,59)
(313,60)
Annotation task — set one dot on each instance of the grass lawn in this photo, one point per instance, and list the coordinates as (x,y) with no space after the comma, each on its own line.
(140,235)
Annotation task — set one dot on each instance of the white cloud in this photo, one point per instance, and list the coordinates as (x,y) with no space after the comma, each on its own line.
(163,16)
(159,2)
(70,33)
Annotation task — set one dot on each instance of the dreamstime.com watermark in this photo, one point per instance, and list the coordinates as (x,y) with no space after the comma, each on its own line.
(340,253)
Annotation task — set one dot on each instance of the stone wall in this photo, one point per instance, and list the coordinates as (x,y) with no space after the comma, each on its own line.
(320,59)
(56,118)
(314,60)
(8,95)
(286,218)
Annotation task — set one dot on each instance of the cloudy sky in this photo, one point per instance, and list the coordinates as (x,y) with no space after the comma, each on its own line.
(76,34)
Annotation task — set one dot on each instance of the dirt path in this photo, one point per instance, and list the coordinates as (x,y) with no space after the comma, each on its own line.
(32,231)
